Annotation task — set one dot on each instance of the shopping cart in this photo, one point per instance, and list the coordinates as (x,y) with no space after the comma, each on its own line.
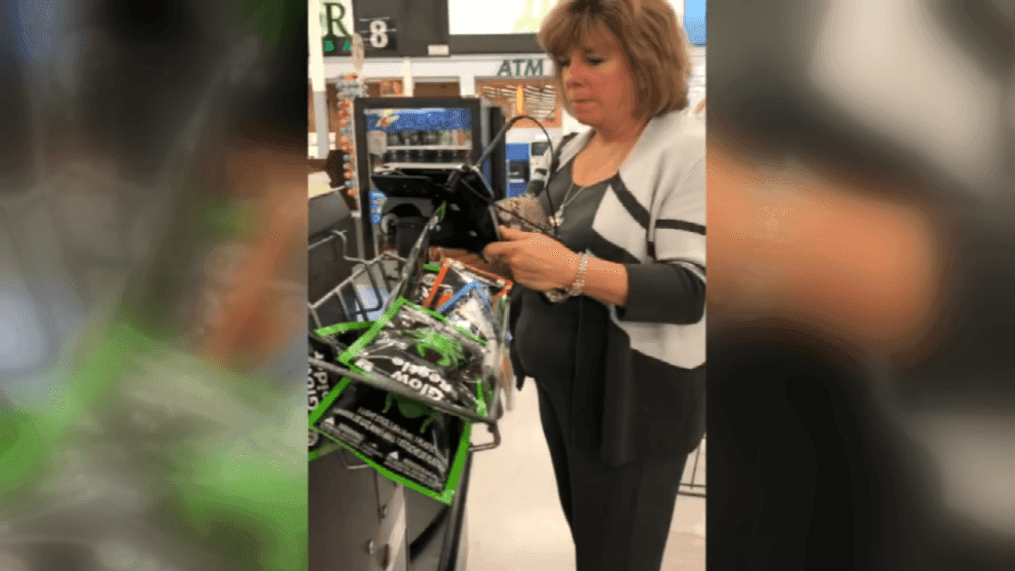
(364,295)
(367,293)
(361,296)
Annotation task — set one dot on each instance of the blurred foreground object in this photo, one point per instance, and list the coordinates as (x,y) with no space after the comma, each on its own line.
(124,447)
(860,188)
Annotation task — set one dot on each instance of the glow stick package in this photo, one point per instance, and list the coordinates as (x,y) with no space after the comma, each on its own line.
(319,383)
(420,349)
(403,440)
(454,276)
(471,310)
(425,284)
(343,335)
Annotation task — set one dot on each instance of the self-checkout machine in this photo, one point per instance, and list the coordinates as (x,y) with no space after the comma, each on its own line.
(359,519)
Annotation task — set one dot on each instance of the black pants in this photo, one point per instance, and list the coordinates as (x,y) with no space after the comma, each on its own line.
(619,516)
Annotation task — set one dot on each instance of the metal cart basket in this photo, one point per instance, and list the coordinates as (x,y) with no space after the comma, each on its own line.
(386,540)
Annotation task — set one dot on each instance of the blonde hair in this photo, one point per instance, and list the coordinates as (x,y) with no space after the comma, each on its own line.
(654,43)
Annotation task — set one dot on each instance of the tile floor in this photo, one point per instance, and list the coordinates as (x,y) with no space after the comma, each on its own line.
(514,518)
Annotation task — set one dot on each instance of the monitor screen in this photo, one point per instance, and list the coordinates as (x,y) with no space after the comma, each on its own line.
(539,148)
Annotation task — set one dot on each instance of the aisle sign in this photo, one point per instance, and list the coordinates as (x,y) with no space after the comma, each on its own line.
(336,23)
(378,34)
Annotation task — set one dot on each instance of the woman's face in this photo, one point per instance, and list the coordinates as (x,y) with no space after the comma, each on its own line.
(598,81)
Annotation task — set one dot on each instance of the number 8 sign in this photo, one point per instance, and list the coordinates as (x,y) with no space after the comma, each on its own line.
(380,34)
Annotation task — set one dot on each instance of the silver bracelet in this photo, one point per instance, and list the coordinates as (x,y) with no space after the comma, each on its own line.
(579,281)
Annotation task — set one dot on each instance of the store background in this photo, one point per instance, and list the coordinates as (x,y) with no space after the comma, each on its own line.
(513,516)
(484,52)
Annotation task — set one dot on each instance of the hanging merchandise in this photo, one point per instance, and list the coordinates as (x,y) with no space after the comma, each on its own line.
(425,284)
(401,393)
(404,440)
(455,275)
(342,336)
(350,88)
(419,348)
(472,310)
(319,383)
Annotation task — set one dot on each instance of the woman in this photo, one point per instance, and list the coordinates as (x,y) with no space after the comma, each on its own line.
(620,363)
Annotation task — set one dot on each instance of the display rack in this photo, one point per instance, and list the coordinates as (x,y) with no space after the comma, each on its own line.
(429,147)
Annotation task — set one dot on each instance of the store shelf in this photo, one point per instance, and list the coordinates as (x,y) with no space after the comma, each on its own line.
(429,147)
(422,165)
(312,137)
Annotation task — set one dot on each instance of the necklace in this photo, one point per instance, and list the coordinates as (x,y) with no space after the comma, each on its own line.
(558,218)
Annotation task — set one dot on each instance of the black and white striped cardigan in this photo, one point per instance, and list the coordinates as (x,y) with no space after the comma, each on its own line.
(653,213)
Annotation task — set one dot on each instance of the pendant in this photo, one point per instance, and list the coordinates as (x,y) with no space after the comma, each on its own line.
(557,219)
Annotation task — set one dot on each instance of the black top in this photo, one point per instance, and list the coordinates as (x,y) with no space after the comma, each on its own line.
(546,333)
(618,403)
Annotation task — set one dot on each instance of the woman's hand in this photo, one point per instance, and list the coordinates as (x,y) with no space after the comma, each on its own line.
(538,262)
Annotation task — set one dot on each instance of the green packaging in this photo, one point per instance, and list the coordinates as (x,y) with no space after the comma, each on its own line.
(403,440)
(422,350)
